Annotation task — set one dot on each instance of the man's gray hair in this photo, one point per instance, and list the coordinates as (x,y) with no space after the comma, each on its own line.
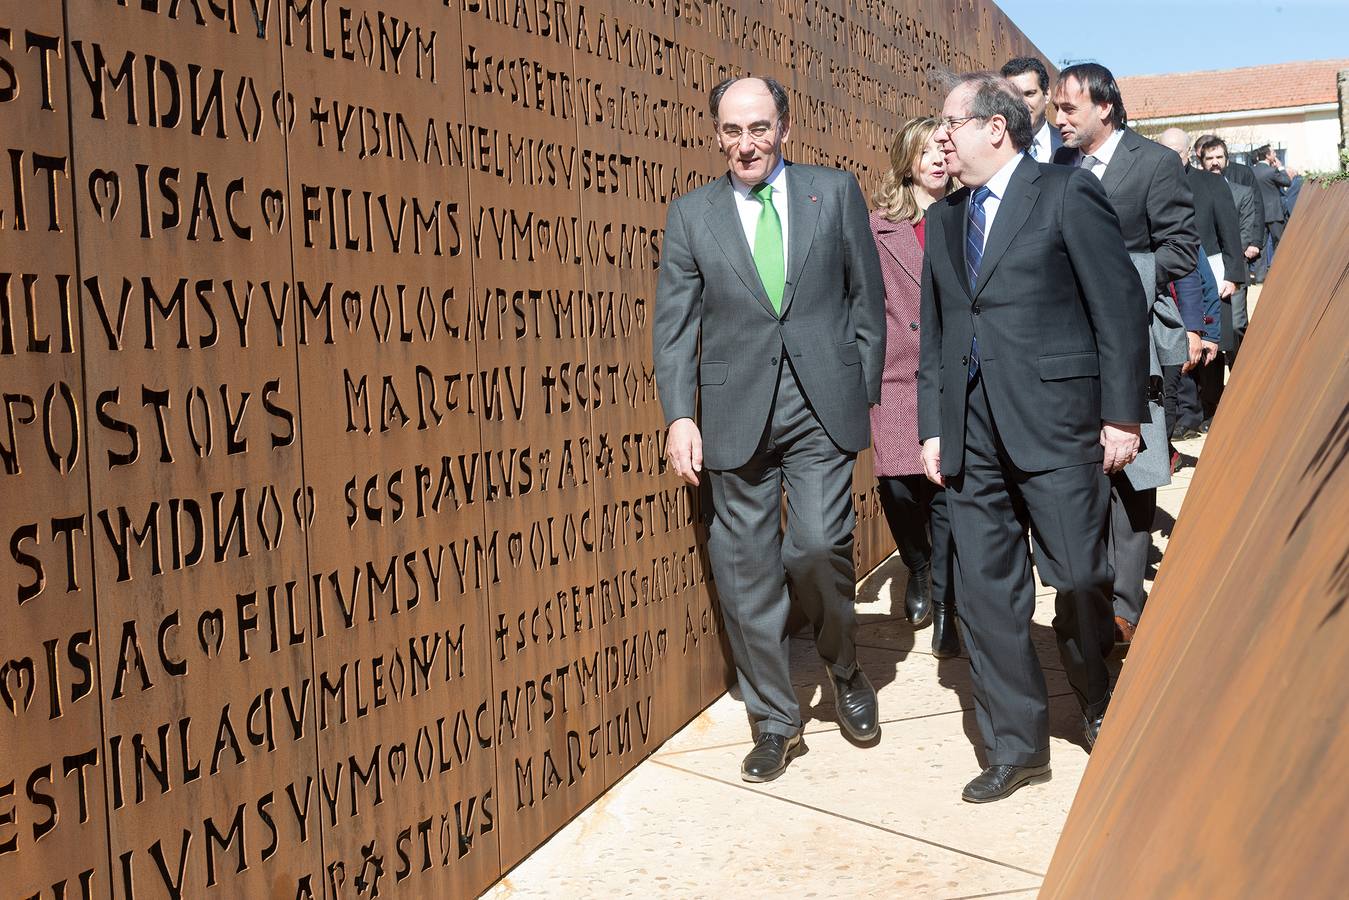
(996,96)
(775,89)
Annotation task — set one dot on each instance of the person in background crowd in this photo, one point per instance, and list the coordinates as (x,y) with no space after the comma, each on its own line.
(1290,196)
(769,326)
(1030,389)
(1146,186)
(917,178)
(1272,178)
(1250,217)
(1215,217)
(1031,78)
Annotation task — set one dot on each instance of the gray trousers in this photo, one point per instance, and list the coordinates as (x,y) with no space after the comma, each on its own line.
(992,504)
(1131,515)
(753,560)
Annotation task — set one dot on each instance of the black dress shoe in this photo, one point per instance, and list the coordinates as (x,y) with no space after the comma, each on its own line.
(769,757)
(1091,728)
(945,639)
(997,782)
(855,701)
(918,597)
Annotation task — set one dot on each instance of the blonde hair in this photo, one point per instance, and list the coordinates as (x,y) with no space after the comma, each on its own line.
(894,200)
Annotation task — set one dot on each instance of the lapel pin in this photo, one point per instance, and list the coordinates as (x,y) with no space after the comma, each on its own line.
(814,199)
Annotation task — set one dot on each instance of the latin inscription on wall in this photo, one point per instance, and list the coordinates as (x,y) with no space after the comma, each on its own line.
(340,555)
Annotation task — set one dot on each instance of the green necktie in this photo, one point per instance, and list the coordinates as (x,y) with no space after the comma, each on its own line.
(768,256)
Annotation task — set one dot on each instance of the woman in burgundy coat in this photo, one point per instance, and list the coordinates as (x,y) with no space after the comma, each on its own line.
(917,179)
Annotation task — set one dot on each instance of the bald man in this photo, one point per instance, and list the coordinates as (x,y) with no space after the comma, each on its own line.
(769,339)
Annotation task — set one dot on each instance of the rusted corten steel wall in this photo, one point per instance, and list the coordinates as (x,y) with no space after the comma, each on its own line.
(339,557)
(1223,767)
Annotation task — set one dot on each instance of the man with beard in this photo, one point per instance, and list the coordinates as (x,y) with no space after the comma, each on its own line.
(1146,187)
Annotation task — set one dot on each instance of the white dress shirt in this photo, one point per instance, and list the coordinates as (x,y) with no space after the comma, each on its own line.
(750,208)
(997,187)
(1103,154)
(1041,150)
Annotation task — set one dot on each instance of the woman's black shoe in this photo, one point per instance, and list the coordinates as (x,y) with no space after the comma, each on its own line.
(918,597)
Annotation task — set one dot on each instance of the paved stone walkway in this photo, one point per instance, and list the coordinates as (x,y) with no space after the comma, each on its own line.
(844,821)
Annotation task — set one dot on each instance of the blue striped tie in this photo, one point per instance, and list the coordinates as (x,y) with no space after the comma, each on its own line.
(974,254)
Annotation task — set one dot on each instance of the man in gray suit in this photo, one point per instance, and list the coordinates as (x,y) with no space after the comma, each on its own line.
(770,322)
(1147,189)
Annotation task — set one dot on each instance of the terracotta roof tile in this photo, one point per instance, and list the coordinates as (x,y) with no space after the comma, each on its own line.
(1231,90)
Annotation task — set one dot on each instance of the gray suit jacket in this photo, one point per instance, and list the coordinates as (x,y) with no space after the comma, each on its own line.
(1146,185)
(1248,215)
(716,338)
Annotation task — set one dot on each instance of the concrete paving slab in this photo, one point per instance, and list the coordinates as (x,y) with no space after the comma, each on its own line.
(665,832)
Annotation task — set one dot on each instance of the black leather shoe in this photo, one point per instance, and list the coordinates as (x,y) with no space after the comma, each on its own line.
(1091,728)
(855,701)
(997,782)
(918,597)
(769,757)
(945,639)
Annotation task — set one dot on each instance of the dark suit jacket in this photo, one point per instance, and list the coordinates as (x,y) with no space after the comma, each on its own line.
(1270,179)
(1215,218)
(1059,313)
(1240,173)
(1249,218)
(716,337)
(1146,187)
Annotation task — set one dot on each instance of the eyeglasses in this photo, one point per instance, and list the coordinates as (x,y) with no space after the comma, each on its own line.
(758,131)
(951,123)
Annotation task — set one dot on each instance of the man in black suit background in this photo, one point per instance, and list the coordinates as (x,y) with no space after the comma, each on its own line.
(1215,218)
(1030,389)
(1211,151)
(1147,189)
(1029,76)
(1272,178)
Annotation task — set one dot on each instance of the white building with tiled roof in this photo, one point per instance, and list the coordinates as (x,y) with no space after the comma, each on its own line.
(1291,106)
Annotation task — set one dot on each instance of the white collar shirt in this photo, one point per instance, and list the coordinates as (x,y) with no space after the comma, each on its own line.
(997,188)
(1040,148)
(1103,154)
(750,208)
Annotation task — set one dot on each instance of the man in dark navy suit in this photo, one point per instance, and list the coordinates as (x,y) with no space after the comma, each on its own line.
(1030,391)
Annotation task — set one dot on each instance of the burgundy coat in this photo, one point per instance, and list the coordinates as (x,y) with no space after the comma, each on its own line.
(894,421)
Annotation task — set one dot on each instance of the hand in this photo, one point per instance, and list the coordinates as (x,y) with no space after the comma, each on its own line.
(1196,352)
(1210,352)
(684,449)
(1252,252)
(932,461)
(1226,289)
(1120,441)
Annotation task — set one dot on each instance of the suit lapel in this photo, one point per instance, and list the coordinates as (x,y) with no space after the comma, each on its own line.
(1120,163)
(723,221)
(956,222)
(1013,210)
(902,244)
(803,215)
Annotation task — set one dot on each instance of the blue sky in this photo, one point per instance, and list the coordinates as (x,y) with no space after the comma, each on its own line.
(1144,37)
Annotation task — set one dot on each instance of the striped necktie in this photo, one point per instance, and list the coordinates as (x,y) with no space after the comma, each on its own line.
(974,254)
